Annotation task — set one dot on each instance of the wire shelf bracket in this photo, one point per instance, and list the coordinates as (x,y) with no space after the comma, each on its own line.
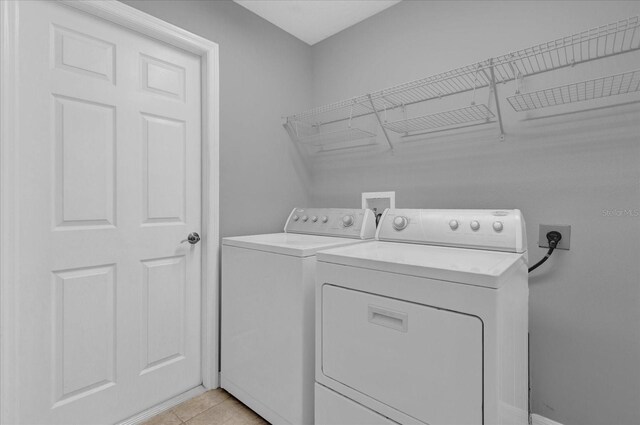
(384,130)
(494,89)
(597,88)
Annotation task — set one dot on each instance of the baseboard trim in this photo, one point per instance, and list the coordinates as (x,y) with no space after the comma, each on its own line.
(541,420)
(159,408)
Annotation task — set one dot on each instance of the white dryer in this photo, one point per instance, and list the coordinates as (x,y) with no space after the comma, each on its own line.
(268,310)
(426,325)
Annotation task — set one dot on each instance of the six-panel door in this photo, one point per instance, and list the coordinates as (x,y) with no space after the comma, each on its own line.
(109,186)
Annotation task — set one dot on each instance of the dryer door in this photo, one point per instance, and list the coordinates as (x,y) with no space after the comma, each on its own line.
(423,361)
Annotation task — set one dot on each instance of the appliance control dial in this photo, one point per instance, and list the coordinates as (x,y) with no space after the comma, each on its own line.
(296,218)
(453,224)
(400,222)
(475,225)
(497,226)
(305,218)
(324,219)
(347,220)
(314,218)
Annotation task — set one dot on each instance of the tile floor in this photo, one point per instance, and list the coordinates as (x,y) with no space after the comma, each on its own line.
(215,407)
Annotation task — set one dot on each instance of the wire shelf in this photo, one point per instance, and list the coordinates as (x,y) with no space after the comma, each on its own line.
(607,40)
(613,85)
(336,137)
(449,120)
(456,81)
(351,147)
(335,112)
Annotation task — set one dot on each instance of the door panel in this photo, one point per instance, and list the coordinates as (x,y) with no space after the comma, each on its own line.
(162,78)
(82,53)
(110,177)
(164,169)
(163,312)
(84,162)
(423,361)
(84,331)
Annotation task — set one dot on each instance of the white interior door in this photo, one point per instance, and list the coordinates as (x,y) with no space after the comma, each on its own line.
(109,182)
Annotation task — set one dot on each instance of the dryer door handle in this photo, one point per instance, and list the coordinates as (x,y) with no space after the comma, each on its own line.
(388,318)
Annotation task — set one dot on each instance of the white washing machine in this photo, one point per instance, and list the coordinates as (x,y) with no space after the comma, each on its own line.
(268,310)
(427,324)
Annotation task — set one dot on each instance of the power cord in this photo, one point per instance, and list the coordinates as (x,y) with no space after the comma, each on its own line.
(553,238)
(377,215)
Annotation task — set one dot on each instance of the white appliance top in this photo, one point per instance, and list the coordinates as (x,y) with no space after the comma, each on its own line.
(288,243)
(460,265)
(309,230)
(495,230)
(475,247)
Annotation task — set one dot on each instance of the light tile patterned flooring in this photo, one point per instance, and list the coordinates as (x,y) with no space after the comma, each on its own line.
(215,407)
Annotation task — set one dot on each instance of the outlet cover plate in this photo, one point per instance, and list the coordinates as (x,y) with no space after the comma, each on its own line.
(565,231)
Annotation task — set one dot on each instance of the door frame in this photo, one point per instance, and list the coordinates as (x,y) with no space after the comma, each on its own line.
(140,22)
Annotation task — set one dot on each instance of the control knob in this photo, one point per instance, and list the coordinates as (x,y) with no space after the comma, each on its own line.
(453,224)
(324,219)
(497,226)
(305,218)
(347,220)
(314,218)
(400,222)
(475,225)
(296,218)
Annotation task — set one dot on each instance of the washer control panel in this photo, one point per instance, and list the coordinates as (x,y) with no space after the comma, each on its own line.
(342,222)
(499,230)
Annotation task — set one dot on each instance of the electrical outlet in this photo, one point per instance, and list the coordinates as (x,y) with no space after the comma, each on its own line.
(565,231)
(378,201)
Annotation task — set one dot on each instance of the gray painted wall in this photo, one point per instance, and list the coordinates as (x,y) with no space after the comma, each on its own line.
(264,72)
(585,303)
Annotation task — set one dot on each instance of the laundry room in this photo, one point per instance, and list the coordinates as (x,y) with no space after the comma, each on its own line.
(320,212)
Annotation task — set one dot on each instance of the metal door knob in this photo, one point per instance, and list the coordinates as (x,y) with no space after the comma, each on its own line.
(193,238)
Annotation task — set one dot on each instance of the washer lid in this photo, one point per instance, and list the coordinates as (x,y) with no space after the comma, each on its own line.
(460,265)
(294,244)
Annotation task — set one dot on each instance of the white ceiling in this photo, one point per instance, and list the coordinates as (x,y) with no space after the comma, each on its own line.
(314,20)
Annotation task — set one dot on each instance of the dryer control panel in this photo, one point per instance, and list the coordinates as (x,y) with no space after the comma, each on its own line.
(341,222)
(496,230)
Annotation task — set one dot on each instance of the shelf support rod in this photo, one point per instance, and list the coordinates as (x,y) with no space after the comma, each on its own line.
(495,95)
(384,130)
